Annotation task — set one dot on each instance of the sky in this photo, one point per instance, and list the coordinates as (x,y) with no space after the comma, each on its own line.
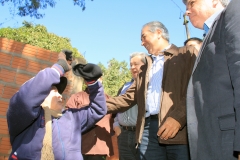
(108,29)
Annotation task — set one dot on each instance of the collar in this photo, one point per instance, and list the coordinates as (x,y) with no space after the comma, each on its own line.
(167,47)
(162,51)
(171,50)
(208,23)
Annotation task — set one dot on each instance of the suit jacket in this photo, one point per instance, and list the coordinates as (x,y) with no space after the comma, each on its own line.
(97,140)
(178,64)
(213,96)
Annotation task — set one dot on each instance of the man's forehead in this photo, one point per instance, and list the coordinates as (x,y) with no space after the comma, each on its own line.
(192,42)
(188,2)
(144,30)
(136,58)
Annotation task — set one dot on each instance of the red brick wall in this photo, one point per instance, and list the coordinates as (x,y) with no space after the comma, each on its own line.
(18,63)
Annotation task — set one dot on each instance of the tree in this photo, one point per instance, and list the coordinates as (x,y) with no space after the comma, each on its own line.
(115,76)
(37,35)
(32,7)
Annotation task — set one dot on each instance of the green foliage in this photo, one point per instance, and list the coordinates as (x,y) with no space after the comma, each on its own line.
(115,76)
(37,35)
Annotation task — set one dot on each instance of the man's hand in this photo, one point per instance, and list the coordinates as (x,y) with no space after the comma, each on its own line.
(169,129)
(117,130)
(68,54)
(238,156)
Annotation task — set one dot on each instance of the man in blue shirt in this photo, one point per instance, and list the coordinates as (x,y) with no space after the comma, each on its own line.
(160,93)
(125,123)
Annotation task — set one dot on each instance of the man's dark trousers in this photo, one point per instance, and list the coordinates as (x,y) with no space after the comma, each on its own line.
(126,145)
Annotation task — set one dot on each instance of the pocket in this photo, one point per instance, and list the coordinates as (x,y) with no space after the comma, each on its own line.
(227,122)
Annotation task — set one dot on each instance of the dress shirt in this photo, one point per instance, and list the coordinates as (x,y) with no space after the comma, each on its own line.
(208,23)
(155,84)
(129,117)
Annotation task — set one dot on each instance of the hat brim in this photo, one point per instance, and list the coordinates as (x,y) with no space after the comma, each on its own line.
(62,85)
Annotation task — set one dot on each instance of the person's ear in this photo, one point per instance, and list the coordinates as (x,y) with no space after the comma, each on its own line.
(159,32)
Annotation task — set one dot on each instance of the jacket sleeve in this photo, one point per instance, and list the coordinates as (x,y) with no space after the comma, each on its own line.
(88,116)
(24,106)
(179,111)
(232,51)
(123,102)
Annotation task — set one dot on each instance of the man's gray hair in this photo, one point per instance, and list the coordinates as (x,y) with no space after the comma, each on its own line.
(141,54)
(154,25)
(223,2)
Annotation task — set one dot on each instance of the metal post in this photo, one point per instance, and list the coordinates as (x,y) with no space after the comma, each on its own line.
(185,22)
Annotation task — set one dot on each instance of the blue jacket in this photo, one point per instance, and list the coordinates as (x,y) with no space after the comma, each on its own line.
(26,124)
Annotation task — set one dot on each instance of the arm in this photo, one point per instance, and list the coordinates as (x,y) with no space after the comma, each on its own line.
(232,51)
(90,115)
(115,123)
(24,106)
(176,117)
(178,112)
(123,102)
(116,126)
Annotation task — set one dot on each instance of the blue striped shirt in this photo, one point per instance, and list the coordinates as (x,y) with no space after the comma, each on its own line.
(155,86)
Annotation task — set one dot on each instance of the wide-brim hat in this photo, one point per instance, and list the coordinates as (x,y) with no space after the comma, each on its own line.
(61,85)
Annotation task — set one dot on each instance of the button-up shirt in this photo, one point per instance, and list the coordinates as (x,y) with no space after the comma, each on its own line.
(155,85)
(208,23)
(129,117)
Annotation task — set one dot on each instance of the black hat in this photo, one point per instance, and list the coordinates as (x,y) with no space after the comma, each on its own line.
(61,85)
(88,71)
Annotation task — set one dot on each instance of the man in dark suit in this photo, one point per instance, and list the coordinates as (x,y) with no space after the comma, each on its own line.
(213,96)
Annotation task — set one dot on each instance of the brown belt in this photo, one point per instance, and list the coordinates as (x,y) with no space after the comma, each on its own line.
(155,116)
(129,128)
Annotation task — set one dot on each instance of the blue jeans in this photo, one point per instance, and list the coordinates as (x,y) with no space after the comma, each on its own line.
(126,145)
(151,149)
